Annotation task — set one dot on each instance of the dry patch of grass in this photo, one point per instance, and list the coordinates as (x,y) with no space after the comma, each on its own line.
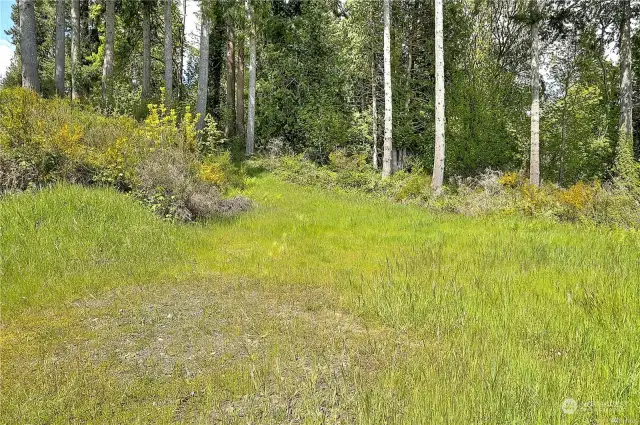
(211,351)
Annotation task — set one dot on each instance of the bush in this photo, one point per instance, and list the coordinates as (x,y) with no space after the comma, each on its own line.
(170,184)
(47,141)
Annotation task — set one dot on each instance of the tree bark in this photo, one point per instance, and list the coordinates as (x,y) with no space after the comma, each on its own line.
(203,70)
(231,81)
(534,162)
(374,114)
(240,88)
(60,47)
(183,38)
(251,118)
(146,49)
(624,152)
(439,154)
(388,112)
(28,47)
(75,48)
(168,54)
(107,68)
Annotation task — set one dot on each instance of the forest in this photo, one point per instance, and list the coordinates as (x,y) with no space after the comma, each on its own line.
(320,211)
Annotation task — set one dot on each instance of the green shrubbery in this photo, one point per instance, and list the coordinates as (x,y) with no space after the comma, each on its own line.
(491,192)
(161,160)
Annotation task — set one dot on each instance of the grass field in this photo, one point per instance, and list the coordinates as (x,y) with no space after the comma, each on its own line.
(315,307)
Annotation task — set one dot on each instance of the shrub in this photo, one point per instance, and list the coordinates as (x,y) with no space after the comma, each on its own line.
(47,141)
(169,183)
(416,186)
(220,171)
(510,179)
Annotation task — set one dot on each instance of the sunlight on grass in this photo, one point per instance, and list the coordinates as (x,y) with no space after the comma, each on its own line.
(503,318)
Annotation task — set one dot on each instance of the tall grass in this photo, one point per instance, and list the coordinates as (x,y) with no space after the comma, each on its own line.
(69,241)
(501,319)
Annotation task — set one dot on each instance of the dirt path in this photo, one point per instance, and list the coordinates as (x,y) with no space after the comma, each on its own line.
(212,351)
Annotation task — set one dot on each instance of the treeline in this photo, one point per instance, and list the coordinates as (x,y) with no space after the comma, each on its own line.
(541,86)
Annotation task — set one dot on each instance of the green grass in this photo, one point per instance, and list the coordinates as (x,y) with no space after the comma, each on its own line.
(398,315)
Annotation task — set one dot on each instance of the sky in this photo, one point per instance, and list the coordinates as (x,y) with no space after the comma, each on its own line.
(6,47)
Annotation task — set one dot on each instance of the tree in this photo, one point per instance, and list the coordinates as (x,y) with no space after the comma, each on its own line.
(75,48)
(168,54)
(374,114)
(60,47)
(251,117)
(439,155)
(388,116)
(28,47)
(231,80)
(203,67)
(240,87)
(107,68)
(534,161)
(146,49)
(624,151)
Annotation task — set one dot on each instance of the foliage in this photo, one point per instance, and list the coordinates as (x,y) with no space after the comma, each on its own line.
(47,141)
(491,192)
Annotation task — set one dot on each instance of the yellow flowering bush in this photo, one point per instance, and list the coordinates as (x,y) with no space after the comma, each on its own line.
(510,179)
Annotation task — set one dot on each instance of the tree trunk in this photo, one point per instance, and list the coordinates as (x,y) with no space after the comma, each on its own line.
(28,47)
(183,38)
(388,116)
(624,152)
(60,47)
(231,81)
(374,114)
(75,47)
(107,68)
(439,154)
(146,50)
(534,162)
(240,88)
(168,54)
(252,81)
(203,70)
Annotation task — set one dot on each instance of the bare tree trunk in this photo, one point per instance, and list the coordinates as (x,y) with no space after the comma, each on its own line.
(240,88)
(203,70)
(534,162)
(388,115)
(624,152)
(231,81)
(251,118)
(146,50)
(107,68)
(182,42)
(439,154)
(28,47)
(168,54)
(60,49)
(374,114)
(75,47)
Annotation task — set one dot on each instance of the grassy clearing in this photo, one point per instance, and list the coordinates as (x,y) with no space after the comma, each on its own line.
(402,316)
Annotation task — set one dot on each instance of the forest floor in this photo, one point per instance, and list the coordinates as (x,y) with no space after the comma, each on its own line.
(315,307)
